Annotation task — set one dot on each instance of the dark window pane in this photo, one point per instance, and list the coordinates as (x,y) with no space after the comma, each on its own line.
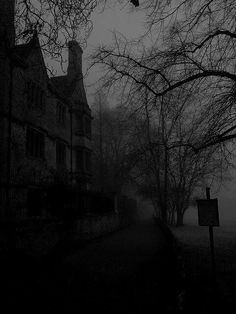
(30,93)
(41,99)
(80,124)
(35,95)
(79,160)
(88,161)
(61,114)
(35,143)
(88,126)
(61,153)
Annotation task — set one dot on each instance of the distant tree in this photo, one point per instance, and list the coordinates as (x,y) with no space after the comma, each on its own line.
(169,171)
(113,149)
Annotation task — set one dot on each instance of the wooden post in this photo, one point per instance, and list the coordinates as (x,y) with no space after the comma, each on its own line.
(211,236)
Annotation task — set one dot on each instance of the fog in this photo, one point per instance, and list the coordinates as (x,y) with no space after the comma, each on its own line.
(145,210)
(226,205)
(131,25)
(116,19)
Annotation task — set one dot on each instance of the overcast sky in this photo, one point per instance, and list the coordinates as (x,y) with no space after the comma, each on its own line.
(117,19)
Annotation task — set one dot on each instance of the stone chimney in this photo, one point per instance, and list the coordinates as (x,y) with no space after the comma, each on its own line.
(75,59)
(7,18)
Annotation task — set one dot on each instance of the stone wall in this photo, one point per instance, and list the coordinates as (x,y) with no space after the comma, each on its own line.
(94,226)
(30,100)
(39,237)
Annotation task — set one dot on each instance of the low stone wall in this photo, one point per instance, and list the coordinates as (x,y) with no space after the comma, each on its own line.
(41,236)
(94,226)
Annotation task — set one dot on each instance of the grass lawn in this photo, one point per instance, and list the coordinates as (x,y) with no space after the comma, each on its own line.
(203,293)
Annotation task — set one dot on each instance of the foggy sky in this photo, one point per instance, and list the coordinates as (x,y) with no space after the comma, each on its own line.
(105,23)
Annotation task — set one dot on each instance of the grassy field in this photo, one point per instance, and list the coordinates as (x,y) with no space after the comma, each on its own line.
(204,293)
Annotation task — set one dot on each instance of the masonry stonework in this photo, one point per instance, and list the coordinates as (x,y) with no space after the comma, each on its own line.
(45,121)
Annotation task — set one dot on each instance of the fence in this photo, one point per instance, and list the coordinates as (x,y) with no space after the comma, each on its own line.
(64,203)
(68,203)
(13,201)
(55,201)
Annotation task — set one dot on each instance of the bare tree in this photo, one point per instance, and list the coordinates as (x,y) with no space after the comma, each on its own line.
(194,43)
(56,22)
(113,149)
(169,171)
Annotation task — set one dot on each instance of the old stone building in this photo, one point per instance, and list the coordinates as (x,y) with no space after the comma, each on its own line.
(45,123)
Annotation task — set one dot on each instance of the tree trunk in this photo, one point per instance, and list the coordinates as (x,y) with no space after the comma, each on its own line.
(164,216)
(165,208)
(180,218)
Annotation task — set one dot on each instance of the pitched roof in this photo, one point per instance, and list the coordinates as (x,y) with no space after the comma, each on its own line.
(20,53)
(62,86)
(24,50)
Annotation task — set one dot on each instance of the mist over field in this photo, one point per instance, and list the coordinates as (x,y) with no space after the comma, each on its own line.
(227,212)
(226,203)
(226,195)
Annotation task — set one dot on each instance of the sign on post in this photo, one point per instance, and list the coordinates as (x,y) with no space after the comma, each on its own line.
(208,214)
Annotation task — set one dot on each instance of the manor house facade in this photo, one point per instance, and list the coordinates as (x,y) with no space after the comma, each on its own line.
(45,122)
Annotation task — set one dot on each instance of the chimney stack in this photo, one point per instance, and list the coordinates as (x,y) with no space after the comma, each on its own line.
(75,59)
(7,18)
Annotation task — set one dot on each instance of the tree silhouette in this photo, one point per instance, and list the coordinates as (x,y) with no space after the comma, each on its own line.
(193,43)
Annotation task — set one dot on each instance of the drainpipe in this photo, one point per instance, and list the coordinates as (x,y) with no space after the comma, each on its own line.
(9,135)
(101,146)
(71,158)
(71,144)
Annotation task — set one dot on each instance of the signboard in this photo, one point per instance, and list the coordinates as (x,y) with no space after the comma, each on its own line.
(208,214)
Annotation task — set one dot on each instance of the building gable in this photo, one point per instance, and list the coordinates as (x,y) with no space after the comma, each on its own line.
(36,68)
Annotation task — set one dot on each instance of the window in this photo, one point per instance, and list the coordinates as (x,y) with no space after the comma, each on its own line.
(88,161)
(88,126)
(36,96)
(61,114)
(35,143)
(79,160)
(61,154)
(80,124)
(83,160)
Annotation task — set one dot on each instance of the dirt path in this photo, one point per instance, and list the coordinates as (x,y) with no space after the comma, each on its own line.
(131,271)
(128,272)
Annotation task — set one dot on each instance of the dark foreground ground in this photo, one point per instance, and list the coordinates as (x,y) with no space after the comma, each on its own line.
(130,271)
(204,293)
